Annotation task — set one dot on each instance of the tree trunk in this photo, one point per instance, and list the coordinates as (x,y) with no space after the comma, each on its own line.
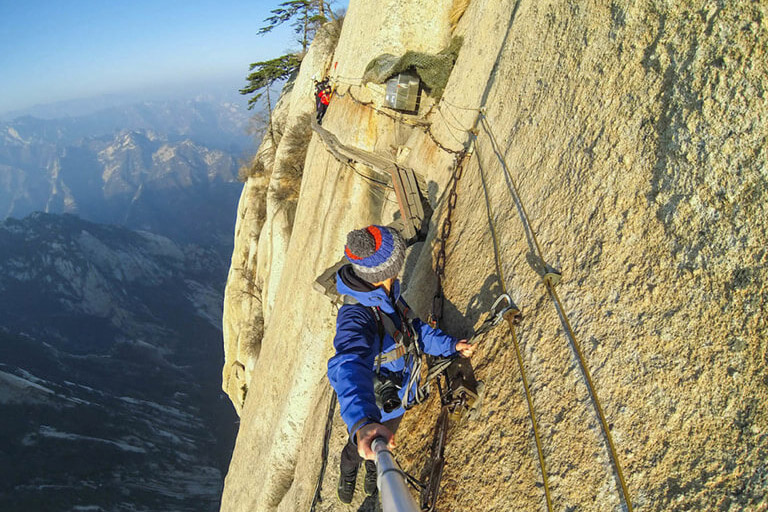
(269,122)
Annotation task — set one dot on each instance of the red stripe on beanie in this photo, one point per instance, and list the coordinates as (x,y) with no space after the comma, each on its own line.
(350,255)
(373,230)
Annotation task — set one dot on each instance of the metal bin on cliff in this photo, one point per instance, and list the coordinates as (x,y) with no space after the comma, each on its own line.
(403,92)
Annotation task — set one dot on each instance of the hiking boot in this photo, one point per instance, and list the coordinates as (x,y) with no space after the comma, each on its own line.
(346,489)
(370,478)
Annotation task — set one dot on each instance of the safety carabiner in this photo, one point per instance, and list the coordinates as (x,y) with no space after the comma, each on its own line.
(498,313)
(502,307)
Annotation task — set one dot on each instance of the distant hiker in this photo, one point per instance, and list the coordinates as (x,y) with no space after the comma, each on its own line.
(378,343)
(322,99)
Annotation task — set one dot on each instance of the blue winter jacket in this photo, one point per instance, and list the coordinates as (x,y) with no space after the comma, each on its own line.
(357,344)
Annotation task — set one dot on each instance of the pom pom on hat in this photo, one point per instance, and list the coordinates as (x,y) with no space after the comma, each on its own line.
(376,252)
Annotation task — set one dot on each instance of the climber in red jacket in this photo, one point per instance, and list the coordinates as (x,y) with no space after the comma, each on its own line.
(323,98)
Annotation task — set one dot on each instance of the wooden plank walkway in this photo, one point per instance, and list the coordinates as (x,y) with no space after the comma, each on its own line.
(403,179)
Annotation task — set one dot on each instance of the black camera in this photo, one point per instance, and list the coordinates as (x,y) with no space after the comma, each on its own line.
(385,387)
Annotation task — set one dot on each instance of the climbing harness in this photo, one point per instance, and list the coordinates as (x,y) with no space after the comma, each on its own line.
(406,346)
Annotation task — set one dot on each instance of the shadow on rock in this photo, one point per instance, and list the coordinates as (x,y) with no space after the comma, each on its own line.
(462,324)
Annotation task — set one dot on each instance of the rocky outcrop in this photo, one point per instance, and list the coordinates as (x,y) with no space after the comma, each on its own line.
(264,224)
(634,136)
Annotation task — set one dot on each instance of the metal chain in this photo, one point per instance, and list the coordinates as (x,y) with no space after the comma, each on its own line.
(445,232)
(426,126)
(324,454)
(428,131)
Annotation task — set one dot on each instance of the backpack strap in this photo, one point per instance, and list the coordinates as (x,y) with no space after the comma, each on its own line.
(380,325)
(378,317)
(405,346)
(405,339)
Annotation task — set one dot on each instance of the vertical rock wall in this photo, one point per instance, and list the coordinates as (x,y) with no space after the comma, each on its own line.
(636,136)
(284,369)
(263,228)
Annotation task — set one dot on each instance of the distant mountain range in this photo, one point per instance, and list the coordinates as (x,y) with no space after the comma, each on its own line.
(110,360)
(110,319)
(204,120)
(166,167)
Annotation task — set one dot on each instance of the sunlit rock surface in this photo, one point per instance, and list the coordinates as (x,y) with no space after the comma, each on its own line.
(636,137)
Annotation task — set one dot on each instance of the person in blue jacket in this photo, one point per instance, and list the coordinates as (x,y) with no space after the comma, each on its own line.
(372,371)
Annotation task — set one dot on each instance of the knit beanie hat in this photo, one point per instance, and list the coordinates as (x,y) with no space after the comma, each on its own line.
(376,252)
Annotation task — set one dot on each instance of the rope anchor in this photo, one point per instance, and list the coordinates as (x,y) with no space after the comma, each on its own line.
(552,276)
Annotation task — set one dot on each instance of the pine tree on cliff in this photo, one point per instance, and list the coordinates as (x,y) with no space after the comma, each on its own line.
(263,75)
(305,17)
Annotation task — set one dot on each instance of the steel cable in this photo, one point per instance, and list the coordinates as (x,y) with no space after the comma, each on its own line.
(515,343)
(550,285)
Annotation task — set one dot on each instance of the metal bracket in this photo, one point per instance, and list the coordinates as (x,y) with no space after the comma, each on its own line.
(552,276)
(461,388)
(464,400)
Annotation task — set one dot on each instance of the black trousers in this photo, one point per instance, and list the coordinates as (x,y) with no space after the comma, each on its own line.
(321,112)
(350,460)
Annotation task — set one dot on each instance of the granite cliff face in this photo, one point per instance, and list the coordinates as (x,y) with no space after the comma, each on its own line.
(635,135)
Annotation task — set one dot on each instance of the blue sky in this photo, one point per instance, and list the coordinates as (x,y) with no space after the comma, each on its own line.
(53,50)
